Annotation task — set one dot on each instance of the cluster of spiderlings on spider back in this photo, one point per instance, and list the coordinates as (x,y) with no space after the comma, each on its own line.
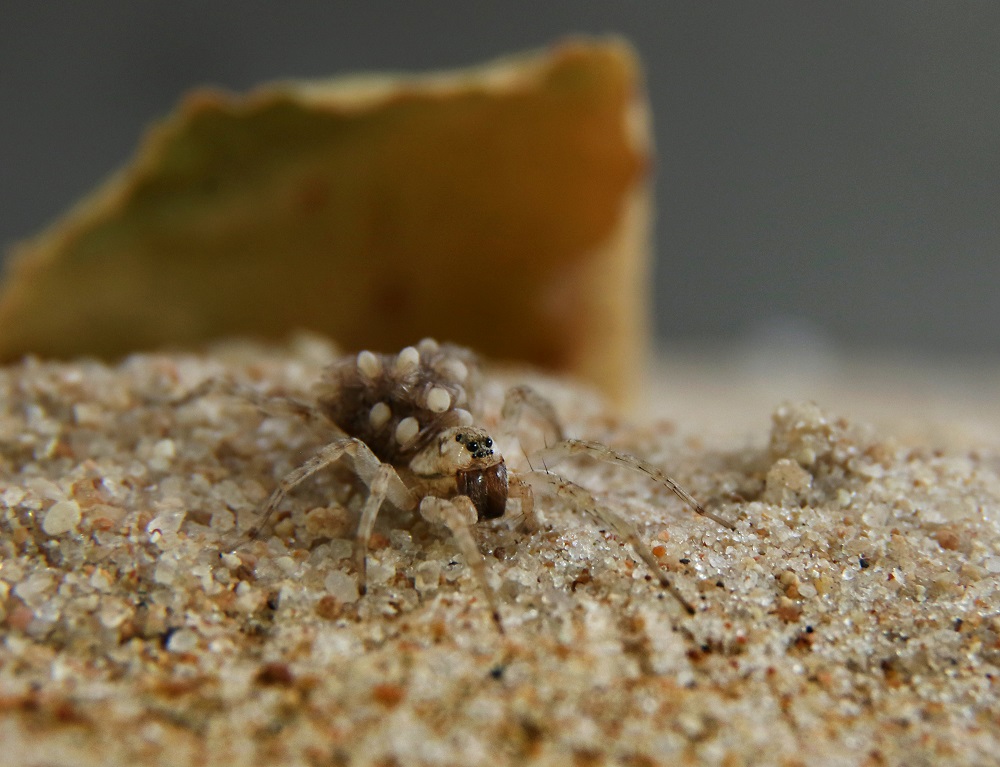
(397,403)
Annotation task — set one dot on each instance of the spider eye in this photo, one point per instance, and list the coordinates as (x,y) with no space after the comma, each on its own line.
(458,437)
(473,446)
(488,442)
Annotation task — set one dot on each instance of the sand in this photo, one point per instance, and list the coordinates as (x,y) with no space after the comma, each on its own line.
(852,616)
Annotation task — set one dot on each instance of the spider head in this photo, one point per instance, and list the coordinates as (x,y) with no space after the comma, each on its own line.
(468,454)
(459,448)
(483,478)
(476,442)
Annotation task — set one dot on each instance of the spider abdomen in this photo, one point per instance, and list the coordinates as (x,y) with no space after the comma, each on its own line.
(395,403)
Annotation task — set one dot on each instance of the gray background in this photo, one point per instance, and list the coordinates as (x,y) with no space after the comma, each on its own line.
(827,172)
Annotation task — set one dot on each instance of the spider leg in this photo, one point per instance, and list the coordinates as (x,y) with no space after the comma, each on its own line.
(369,469)
(459,515)
(378,489)
(518,488)
(270,405)
(284,406)
(580,498)
(596,450)
(519,398)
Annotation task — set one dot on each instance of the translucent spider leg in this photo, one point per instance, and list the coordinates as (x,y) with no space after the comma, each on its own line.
(459,516)
(518,399)
(271,405)
(378,490)
(521,490)
(580,498)
(368,468)
(571,447)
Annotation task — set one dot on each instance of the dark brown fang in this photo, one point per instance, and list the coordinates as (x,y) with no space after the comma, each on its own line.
(487,488)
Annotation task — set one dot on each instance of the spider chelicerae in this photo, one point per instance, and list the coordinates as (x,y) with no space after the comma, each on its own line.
(404,422)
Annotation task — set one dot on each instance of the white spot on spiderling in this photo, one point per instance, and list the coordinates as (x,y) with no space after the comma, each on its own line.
(438,400)
(379,415)
(369,365)
(428,346)
(407,360)
(407,429)
(455,369)
(464,417)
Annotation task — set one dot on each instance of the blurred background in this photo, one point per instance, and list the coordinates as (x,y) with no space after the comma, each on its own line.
(828,173)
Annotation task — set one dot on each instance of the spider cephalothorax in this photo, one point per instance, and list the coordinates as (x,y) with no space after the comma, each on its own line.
(485,481)
(466,455)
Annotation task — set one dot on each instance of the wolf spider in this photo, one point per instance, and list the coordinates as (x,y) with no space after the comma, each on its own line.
(403,422)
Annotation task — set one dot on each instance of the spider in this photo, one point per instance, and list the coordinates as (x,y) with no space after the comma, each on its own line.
(404,423)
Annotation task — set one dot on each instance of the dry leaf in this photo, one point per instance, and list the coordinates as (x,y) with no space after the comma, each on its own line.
(504,207)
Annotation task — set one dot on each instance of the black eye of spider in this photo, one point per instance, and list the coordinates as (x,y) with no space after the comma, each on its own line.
(488,442)
(458,437)
(473,446)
